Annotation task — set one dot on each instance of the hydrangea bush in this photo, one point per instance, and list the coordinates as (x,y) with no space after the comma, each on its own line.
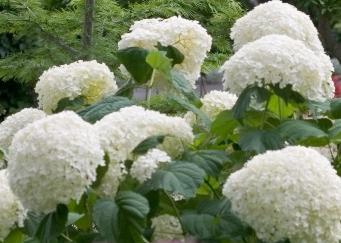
(259,162)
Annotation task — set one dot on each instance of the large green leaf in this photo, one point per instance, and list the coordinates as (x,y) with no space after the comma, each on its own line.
(243,103)
(288,94)
(335,132)
(52,225)
(224,124)
(147,144)
(281,108)
(178,177)
(106,106)
(15,236)
(335,108)
(211,161)
(159,61)
(134,60)
(172,53)
(213,220)
(122,220)
(260,141)
(183,86)
(71,105)
(302,132)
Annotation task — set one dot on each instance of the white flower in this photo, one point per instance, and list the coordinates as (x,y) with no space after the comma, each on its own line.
(167,227)
(275,17)
(11,210)
(53,160)
(120,132)
(145,165)
(292,193)
(12,124)
(89,79)
(186,35)
(278,59)
(213,103)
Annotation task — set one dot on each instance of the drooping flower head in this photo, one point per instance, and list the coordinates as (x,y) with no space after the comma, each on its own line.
(89,79)
(293,193)
(120,132)
(278,59)
(11,210)
(53,160)
(188,36)
(275,17)
(12,124)
(145,165)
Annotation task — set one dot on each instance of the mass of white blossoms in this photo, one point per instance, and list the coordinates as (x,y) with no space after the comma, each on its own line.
(53,160)
(278,59)
(213,103)
(89,79)
(120,132)
(11,210)
(188,36)
(144,166)
(293,193)
(12,124)
(275,17)
(167,227)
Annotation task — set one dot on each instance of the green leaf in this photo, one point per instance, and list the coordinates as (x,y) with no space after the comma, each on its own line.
(211,161)
(172,53)
(134,60)
(178,177)
(278,106)
(73,218)
(106,106)
(148,143)
(127,89)
(15,236)
(183,86)
(302,132)
(122,220)
(335,132)
(101,171)
(224,124)
(244,100)
(201,115)
(31,223)
(52,225)
(105,216)
(288,94)
(67,104)
(335,108)
(213,220)
(159,61)
(260,141)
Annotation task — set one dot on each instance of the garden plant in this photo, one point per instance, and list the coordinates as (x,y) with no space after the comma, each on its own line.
(258,162)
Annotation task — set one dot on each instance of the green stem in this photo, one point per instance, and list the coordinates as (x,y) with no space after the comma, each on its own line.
(149,88)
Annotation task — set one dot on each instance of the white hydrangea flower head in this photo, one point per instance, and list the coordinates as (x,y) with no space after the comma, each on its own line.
(54,160)
(167,227)
(89,79)
(12,124)
(213,103)
(145,165)
(120,132)
(293,193)
(278,59)
(11,210)
(275,17)
(188,36)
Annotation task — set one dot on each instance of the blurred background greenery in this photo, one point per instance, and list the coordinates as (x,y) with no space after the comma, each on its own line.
(37,34)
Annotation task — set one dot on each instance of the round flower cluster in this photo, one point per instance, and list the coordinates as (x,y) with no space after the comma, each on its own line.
(167,227)
(11,211)
(188,36)
(278,59)
(145,165)
(132,125)
(53,160)
(275,17)
(293,193)
(89,79)
(213,103)
(12,124)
